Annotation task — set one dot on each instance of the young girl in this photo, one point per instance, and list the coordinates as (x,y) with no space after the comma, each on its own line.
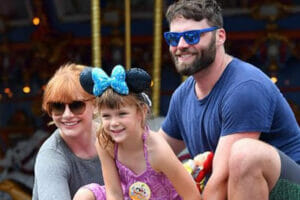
(136,163)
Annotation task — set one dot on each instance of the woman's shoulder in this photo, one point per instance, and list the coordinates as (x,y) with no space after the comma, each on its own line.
(54,146)
(52,142)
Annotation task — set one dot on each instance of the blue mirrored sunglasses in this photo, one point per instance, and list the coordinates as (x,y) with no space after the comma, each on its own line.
(191,37)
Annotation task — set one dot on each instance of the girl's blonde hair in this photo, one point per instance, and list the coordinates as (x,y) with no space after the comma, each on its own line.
(113,100)
(64,86)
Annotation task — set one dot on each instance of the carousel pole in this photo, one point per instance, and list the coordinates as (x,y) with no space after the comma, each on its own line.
(127,34)
(96,33)
(157,57)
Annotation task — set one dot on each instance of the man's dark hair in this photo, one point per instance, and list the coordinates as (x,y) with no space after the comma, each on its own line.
(196,10)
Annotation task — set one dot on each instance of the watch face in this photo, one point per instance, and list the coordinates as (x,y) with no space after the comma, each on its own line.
(139,191)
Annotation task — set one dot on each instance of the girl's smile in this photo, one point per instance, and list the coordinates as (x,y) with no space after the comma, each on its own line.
(122,123)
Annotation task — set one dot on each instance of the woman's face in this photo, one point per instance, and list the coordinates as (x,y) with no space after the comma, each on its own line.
(73,119)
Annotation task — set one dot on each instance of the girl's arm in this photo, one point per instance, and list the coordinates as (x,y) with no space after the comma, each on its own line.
(163,159)
(110,174)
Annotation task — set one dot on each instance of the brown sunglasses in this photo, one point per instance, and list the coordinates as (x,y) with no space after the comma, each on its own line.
(76,107)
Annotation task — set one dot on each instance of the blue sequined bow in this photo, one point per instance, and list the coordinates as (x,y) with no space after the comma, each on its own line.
(102,81)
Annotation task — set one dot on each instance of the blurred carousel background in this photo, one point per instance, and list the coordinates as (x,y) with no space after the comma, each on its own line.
(37,36)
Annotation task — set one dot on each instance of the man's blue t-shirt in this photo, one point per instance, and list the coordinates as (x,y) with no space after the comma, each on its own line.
(244,99)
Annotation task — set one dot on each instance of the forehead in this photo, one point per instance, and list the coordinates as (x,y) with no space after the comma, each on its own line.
(180,24)
(68,97)
(118,108)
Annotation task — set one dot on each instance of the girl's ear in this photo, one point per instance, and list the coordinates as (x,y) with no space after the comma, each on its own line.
(145,110)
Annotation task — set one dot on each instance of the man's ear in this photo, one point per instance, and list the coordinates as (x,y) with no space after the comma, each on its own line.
(221,36)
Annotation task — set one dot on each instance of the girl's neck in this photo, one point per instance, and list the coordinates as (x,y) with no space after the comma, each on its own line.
(130,152)
(133,143)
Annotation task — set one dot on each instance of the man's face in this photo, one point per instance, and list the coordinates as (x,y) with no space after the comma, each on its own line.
(190,59)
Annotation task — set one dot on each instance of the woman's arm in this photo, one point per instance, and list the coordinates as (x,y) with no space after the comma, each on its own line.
(110,174)
(51,174)
(163,159)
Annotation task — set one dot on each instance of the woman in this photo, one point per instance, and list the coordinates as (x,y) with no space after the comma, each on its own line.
(68,158)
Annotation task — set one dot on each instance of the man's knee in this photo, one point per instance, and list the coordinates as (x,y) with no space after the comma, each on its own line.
(243,156)
(251,157)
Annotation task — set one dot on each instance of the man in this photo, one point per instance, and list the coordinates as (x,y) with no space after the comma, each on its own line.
(229,107)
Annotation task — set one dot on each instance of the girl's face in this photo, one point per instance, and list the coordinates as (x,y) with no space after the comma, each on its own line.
(123,123)
(75,118)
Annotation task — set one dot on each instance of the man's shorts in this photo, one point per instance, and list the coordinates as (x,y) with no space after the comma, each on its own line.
(290,170)
(288,184)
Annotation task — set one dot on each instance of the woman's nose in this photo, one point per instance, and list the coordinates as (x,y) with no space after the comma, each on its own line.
(67,111)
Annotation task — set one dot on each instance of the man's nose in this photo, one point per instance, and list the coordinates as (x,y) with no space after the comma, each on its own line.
(182,43)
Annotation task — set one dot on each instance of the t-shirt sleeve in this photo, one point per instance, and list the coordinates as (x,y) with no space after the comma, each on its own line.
(171,123)
(247,108)
(51,176)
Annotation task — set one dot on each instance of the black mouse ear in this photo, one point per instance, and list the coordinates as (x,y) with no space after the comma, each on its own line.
(86,80)
(138,80)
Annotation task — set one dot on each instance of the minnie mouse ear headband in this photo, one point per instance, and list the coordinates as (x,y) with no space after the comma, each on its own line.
(95,81)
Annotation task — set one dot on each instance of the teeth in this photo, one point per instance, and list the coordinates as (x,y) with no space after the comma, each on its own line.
(116,131)
(184,56)
(70,123)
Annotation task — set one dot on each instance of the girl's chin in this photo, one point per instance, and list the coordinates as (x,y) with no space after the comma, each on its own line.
(117,137)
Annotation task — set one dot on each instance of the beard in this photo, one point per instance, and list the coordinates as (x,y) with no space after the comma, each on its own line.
(203,59)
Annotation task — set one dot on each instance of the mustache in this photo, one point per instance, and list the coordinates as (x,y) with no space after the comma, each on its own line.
(185,50)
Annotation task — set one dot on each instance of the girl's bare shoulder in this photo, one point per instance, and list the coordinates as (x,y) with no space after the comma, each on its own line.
(158,150)
(155,140)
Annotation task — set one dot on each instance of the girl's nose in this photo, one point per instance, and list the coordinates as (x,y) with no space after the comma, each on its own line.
(114,121)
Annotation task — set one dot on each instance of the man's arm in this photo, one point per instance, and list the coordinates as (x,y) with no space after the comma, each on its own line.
(176,145)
